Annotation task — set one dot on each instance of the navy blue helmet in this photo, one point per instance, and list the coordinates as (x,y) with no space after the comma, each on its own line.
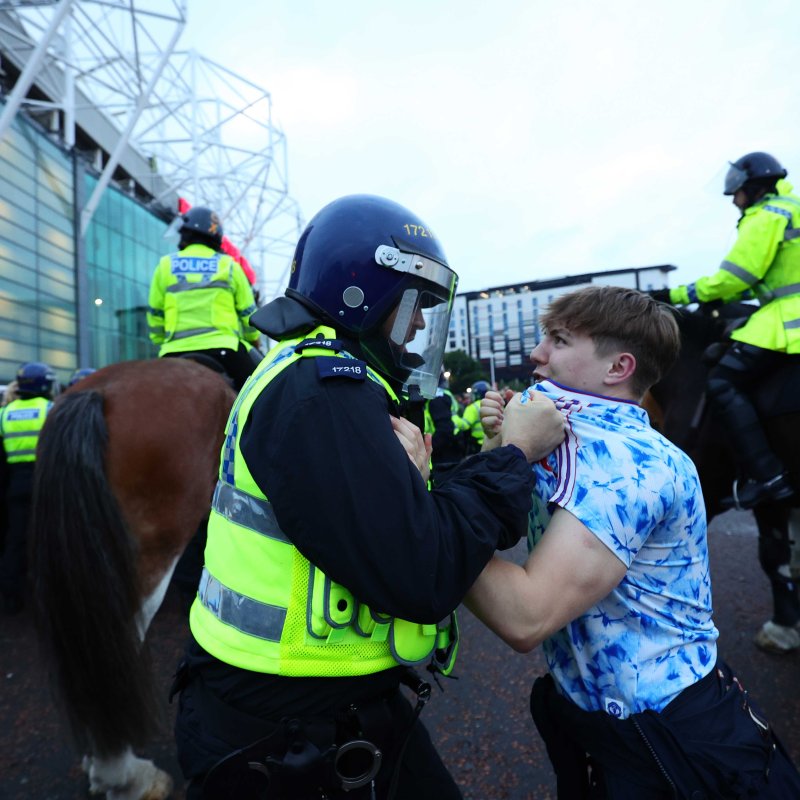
(479,389)
(373,270)
(79,374)
(203,223)
(35,378)
(752,167)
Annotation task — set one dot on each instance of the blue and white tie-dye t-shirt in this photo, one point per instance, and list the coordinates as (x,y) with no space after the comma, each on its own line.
(640,495)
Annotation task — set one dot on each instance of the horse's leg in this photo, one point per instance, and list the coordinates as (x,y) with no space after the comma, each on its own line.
(126,777)
(775,545)
(153,601)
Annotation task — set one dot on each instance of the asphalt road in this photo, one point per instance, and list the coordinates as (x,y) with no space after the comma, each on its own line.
(480,721)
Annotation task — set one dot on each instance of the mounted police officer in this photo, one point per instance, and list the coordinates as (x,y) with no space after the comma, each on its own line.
(330,570)
(201,301)
(764,263)
(21,423)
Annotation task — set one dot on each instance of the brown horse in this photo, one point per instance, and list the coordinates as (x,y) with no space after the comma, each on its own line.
(126,466)
(682,415)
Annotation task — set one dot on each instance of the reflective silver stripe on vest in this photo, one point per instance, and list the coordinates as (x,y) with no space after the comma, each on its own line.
(11,454)
(192,332)
(777,210)
(240,612)
(791,233)
(248,511)
(740,273)
(17,434)
(766,295)
(187,287)
(783,291)
(791,324)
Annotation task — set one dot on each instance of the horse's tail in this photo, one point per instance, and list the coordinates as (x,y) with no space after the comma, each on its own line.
(86,592)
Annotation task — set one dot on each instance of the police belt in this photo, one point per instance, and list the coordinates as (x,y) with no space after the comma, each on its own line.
(302,757)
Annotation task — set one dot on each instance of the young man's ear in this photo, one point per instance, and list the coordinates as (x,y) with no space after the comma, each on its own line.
(622,367)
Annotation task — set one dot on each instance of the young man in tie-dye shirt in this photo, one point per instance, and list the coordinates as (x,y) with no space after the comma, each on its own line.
(616,587)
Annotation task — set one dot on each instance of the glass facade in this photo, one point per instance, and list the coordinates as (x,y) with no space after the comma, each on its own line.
(38,320)
(45,309)
(123,242)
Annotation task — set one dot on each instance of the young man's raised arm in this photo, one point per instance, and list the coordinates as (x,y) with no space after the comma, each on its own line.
(569,570)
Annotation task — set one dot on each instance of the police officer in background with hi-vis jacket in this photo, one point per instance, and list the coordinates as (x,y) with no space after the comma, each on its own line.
(21,422)
(201,301)
(330,569)
(472,413)
(764,263)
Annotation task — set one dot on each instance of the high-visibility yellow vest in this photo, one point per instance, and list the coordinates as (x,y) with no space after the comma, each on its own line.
(472,414)
(21,423)
(200,299)
(261,604)
(460,425)
(764,261)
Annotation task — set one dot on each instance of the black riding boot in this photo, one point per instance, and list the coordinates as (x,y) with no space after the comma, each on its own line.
(764,479)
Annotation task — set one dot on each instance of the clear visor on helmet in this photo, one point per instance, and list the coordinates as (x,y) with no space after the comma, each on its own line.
(734,180)
(419,335)
(415,333)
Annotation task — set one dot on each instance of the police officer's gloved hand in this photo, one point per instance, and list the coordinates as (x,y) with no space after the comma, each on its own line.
(660,295)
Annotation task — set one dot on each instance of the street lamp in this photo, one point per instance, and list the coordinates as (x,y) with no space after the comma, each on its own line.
(491,370)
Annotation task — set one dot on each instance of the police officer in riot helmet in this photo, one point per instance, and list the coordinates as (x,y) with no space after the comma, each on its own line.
(21,422)
(472,414)
(201,302)
(80,374)
(330,569)
(763,263)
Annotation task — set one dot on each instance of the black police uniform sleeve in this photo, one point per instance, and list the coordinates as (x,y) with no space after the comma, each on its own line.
(447,446)
(346,494)
(660,295)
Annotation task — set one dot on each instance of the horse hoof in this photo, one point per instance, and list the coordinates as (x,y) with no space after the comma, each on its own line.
(161,787)
(780,639)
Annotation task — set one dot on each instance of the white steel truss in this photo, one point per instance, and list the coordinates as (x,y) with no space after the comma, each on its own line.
(182,125)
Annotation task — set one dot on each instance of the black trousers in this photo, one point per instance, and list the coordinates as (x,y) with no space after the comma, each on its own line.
(729,385)
(710,742)
(14,560)
(238,364)
(208,730)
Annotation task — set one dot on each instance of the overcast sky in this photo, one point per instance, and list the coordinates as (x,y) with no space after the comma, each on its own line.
(537,139)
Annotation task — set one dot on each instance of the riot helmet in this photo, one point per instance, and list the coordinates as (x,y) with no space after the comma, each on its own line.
(80,374)
(201,224)
(753,167)
(375,271)
(479,389)
(35,379)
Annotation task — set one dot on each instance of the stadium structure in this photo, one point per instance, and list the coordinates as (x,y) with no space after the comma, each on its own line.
(108,129)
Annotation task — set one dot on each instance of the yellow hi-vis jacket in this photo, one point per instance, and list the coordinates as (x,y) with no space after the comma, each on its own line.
(472,414)
(21,423)
(200,300)
(460,425)
(261,605)
(764,261)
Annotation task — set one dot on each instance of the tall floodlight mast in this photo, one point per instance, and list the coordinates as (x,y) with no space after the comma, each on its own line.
(183,126)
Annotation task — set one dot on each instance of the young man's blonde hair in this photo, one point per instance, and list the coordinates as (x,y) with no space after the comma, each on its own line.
(623,320)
